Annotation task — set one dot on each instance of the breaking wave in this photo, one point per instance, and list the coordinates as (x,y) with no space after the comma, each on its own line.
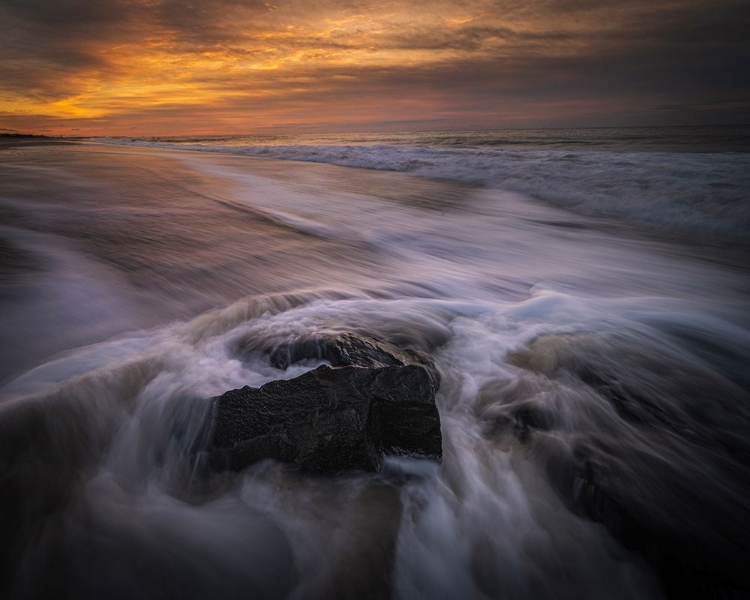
(690,194)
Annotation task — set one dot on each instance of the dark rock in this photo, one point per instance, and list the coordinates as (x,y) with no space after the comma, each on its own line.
(340,350)
(332,419)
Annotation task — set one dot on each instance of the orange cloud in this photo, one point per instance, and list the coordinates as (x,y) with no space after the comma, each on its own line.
(165,65)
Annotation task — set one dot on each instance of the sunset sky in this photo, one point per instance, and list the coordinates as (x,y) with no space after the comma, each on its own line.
(169,67)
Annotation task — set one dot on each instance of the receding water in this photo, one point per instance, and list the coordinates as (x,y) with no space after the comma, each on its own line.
(595,396)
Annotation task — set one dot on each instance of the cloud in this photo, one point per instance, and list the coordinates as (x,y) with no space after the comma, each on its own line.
(172,64)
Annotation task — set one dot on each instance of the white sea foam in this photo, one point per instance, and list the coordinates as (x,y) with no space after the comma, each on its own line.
(697,194)
(583,369)
(484,524)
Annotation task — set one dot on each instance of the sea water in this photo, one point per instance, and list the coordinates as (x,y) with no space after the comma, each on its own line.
(583,294)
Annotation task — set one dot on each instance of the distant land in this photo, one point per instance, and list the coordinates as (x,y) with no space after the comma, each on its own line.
(8,140)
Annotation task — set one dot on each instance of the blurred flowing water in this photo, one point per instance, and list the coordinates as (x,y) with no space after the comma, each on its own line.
(595,401)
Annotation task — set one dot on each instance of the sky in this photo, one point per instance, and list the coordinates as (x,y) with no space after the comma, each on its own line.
(174,67)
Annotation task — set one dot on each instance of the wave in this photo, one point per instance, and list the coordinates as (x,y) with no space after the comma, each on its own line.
(551,409)
(689,194)
(595,396)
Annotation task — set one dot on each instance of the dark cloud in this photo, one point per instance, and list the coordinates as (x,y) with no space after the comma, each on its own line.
(166,61)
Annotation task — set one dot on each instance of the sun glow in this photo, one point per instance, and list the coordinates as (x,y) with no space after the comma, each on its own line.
(162,66)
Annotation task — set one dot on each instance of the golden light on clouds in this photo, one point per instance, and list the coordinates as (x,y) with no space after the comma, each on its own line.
(164,66)
(164,70)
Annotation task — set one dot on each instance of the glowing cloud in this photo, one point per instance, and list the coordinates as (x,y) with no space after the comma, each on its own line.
(222,66)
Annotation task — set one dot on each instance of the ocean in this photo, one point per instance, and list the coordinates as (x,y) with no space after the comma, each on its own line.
(584,294)
(690,180)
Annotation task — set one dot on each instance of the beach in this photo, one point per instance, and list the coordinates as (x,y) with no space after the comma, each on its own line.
(595,397)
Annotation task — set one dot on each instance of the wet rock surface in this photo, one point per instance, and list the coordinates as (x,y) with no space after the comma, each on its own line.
(375,400)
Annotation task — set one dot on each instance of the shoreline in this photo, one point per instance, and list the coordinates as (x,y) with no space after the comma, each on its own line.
(699,197)
(729,252)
